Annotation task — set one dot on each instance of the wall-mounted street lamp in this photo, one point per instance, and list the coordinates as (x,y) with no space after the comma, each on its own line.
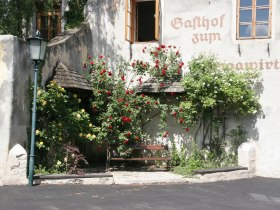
(37,53)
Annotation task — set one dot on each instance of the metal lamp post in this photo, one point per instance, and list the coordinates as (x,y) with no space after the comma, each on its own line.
(37,53)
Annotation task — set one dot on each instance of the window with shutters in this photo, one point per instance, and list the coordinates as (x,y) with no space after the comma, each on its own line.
(142,20)
(253,19)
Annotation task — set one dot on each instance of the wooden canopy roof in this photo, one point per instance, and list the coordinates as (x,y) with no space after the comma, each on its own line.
(68,78)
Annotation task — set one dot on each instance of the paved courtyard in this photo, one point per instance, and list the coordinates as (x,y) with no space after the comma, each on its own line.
(246,194)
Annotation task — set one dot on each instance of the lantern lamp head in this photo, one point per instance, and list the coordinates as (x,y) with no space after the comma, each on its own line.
(37,47)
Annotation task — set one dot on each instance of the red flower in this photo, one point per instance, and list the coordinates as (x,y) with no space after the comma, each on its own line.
(143,95)
(136,138)
(158,48)
(177,53)
(157,61)
(181,120)
(187,129)
(156,102)
(131,91)
(179,71)
(126,104)
(148,102)
(161,85)
(126,119)
(120,100)
(163,72)
(103,63)
(108,92)
(127,92)
(126,141)
(172,93)
(156,54)
(110,127)
(89,57)
(110,117)
(110,73)
(181,65)
(162,46)
(92,63)
(122,77)
(166,134)
(157,66)
(100,56)
(128,133)
(133,64)
(174,114)
(144,65)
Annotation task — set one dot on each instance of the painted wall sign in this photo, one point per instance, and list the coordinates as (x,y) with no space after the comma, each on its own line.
(201,23)
(258,65)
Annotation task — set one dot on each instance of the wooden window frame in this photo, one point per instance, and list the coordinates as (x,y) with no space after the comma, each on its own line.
(254,8)
(131,20)
(49,15)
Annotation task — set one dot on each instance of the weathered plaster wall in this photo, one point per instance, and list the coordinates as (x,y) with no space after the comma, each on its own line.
(216,33)
(15,71)
(71,48)
(264,52)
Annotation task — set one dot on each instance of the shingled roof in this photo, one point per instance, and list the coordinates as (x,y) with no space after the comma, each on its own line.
(68,78)
(150,86)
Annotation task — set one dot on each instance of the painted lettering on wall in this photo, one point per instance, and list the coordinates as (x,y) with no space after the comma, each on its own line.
(257,65)
(201,23)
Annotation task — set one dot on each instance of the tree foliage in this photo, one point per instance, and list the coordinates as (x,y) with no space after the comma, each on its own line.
(15,16)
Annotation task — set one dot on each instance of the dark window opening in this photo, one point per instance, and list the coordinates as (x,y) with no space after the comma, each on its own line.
(145,21)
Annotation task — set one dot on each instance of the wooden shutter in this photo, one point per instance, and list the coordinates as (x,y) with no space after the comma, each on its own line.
(157,12)
(129,20)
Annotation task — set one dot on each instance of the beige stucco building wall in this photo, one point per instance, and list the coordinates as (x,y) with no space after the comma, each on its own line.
(179,26)
(15,78)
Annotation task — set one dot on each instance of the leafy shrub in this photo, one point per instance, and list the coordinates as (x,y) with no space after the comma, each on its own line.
(59,120)
(202,159)
(213,94)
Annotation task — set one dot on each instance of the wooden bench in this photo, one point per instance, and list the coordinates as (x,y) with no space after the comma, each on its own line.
(148,156)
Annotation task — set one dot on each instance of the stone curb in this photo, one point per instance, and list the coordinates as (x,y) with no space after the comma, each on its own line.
(146,178)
